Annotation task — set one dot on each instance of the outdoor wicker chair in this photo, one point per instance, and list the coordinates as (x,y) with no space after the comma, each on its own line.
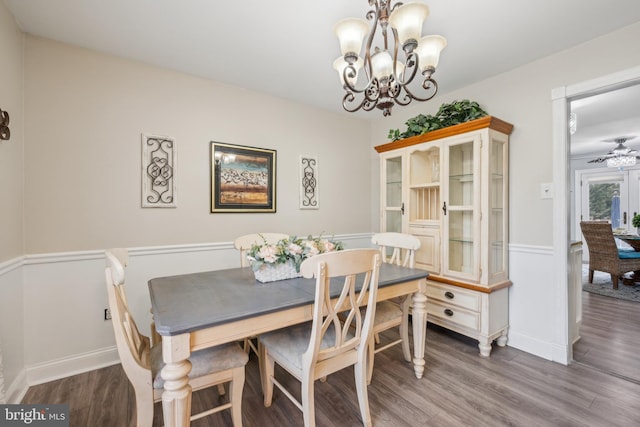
(604,254)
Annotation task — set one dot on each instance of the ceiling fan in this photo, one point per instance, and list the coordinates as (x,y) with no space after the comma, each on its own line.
(621,155)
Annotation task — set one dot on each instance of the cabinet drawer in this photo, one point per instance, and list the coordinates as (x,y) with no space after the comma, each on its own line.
(453,295)
(457,315)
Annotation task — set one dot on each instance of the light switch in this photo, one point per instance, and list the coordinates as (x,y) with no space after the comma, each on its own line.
(546,190)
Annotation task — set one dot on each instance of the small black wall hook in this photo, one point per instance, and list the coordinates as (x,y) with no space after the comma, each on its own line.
(5,133)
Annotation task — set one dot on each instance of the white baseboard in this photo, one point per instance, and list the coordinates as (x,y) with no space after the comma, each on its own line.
(17,389)
(531,345)
(73,365)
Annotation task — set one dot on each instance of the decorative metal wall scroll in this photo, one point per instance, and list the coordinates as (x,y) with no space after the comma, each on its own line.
(158,172)
(5,133)
(309,183)
(243,179)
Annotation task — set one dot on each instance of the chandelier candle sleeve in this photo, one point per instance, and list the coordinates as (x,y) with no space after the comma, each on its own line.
(388,78)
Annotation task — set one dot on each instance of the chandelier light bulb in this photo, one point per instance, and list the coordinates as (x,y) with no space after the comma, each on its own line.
(340,64)
(382,65)
(407,20)
(351,32)
(428,51)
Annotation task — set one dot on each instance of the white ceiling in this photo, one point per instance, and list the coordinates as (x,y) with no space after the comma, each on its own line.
(286,47)
(603,117)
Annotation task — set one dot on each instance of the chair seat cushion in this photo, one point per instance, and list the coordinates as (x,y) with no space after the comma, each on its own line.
(203,362)
(628,254)
(386,311)
(289,344)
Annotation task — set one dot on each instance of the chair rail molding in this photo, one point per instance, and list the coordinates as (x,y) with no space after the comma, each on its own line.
(46,282)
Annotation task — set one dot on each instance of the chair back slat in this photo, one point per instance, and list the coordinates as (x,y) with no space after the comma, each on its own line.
(398,244)
(244,243)
(354,273)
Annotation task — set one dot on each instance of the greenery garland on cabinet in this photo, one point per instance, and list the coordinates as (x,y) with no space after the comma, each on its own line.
(450,114)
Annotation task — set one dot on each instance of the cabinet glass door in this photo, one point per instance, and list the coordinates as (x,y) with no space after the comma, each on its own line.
(459,209)
(393,206)
(497,198)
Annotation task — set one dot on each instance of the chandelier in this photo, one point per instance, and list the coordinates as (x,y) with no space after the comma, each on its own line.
(621,156)
(621,161)
(388,80)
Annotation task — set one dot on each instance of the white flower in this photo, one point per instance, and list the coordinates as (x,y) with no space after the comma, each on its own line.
(312,249)
(294,248)
(268,253)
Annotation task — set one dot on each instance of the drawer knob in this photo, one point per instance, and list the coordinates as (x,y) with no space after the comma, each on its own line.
(448,312)
(449,295)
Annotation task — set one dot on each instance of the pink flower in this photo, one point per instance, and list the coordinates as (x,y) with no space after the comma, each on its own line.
(328,246)
(268,253)
(294,248)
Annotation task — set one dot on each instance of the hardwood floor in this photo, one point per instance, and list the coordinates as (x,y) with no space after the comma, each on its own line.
(511,388)
(610,336)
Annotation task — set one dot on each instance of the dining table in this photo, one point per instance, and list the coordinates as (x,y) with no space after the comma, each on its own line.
(204,309)
(632,240)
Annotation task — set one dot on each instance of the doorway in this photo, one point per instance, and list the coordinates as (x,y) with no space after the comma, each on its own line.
(597,192)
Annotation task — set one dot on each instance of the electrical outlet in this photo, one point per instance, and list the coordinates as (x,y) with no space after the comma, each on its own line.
(107,314)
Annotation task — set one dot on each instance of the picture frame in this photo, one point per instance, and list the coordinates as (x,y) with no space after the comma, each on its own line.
(308,183)
(159,171)
(243,179)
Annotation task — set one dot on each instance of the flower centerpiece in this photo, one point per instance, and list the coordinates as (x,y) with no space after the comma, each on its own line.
(282,260)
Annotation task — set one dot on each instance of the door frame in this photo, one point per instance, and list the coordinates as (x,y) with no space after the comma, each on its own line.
(560,98)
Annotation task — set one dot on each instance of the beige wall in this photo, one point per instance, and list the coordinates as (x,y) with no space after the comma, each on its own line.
(85,112)
(523,97)
(11,205)
(11,151)
(95,106)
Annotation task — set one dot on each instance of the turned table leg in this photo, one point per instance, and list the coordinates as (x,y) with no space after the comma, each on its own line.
(419,320)
(176,398)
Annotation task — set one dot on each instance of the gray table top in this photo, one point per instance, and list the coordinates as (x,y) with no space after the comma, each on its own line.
(189,302)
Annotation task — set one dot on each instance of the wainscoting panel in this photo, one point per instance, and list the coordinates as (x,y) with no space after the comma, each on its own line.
(533,314)
(12,377)
(65,298)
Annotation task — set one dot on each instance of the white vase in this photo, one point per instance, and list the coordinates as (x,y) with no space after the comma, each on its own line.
(273,272)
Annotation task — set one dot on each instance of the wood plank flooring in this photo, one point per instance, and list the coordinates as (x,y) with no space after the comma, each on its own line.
(511,388)
(610,336)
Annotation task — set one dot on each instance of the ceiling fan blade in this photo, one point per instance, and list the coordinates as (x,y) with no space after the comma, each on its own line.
(598,160)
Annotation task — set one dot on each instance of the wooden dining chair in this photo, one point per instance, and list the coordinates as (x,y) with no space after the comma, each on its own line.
(122,255)
(143,362)
(315,349)
(244,243)
(604,254)
(398,249)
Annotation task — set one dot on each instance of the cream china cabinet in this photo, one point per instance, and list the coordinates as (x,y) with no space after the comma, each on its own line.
(449,188)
